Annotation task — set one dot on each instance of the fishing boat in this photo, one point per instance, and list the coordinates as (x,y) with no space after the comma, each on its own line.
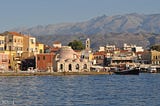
(132,71)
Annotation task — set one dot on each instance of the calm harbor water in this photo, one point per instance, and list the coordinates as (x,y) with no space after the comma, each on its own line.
(97,90)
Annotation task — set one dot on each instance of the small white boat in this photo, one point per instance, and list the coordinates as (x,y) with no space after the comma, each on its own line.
(152,69)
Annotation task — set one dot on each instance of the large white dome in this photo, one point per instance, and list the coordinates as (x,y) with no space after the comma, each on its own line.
(66,52)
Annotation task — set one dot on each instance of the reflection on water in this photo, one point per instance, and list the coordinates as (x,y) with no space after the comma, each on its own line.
(98,90)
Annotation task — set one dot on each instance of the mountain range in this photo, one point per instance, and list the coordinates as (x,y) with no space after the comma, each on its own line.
(128,26)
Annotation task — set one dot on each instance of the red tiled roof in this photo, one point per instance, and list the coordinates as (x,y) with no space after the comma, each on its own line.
(123,51)
(54,49)
(56,42)
(15,33)
(100,53)
(139,52)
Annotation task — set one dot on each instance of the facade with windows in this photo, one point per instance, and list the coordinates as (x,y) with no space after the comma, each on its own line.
(39,48)
(155,57)
(29,46)
(14,42)
(44,62)
(2,41)
(67,60)
(13,46)
(151,57)
(4,59)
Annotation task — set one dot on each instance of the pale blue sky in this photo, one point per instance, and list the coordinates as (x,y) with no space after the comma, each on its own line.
(19,13)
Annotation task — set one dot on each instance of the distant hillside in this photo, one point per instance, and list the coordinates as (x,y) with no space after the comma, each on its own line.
(140,39)
(139,29)
(132,23)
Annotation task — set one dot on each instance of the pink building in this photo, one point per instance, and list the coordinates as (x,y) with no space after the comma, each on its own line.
(4,62)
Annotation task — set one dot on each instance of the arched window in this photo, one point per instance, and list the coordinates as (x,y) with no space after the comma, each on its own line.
(70,67)
(77,66)
(57,57)
(61,66)
(74,56)
(85,66)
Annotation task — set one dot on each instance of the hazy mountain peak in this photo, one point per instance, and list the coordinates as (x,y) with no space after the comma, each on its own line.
(132,22)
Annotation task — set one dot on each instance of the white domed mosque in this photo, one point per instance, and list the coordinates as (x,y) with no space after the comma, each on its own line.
(67,60)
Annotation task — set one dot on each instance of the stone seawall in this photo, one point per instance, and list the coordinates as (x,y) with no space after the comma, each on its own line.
(52,74)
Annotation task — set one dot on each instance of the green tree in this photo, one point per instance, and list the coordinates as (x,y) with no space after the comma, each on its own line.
(155,47)
(76,45)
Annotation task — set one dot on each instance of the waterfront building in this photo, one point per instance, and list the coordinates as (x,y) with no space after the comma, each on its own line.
(146,57)
(155,57)
(14,42)
(13,46)
(13,61)
(29,46)
(99,57)
(123,57)
(21,49)
(28,63)
(151,57)
(4,60)
(45,62)
(2,41)
(67,60)
(39,48)
(29,53)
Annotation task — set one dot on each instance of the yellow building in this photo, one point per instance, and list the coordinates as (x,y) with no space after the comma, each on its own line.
(39,48)
(151,57)
(32,44)
(13,46)
(14,42)
(2,41)
(155,57)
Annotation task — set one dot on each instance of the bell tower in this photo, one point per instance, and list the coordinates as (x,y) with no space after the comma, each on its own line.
(88,44)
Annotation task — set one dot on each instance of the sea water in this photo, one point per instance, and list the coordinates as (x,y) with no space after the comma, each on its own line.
(93,90)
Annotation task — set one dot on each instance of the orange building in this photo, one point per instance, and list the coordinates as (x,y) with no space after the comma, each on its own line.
(29,46)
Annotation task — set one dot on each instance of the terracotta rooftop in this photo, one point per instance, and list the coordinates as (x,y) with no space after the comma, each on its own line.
(56,42)
(15,33)
(54,49)
(123,51)
(139,53)
(100,53)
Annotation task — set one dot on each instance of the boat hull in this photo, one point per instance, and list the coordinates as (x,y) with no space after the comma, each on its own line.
(128,72)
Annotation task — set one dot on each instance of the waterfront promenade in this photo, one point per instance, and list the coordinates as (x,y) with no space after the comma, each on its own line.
(51,73)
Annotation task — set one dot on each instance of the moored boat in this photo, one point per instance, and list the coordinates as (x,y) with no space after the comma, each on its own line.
(152,69)
(133,71)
